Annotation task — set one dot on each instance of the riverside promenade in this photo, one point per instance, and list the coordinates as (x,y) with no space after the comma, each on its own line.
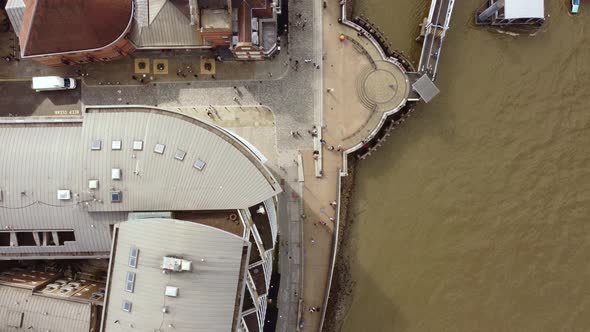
(361,88)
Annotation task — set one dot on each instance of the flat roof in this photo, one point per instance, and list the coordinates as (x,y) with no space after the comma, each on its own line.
(425,88)
(207,294)
(524,9)
(56,26)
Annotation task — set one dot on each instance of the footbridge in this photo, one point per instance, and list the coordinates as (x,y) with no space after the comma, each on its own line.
(437,24)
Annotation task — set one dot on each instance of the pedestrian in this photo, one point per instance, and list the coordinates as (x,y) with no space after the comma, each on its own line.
(134,77)
(339,148)
(312,240)
(323,141)
(333,203)
(292,133)
(331,219)
(296,132)
(331,148)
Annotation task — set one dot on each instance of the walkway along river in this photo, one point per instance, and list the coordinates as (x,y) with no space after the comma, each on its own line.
(473,216)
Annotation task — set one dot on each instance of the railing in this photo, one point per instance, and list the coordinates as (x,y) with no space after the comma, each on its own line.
(334,252)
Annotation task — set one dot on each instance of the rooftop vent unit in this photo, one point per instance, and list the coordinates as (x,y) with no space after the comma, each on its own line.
(116,145)
(126,306)
(115,196)
(171,291)
(180,155)
(137,145)
(96,145)
(159,148)
(92,184)
(116,174)
(199,164)
(64,194)
(176,264)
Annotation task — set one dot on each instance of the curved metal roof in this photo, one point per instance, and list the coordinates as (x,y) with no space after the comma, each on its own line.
(38,160)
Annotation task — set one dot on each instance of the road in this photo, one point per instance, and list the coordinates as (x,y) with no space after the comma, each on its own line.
(18,99)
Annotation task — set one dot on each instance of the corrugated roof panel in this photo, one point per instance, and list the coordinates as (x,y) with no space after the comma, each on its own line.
(155,182)
(30,176)
(207,295)
(42,313)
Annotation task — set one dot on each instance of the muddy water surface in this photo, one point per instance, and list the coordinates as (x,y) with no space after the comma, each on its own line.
(475,216)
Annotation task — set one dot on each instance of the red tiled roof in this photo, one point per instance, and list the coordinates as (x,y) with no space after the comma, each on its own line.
(244,22)
(73,25)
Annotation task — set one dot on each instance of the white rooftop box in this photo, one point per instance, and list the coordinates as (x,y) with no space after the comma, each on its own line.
(64,195)
(171,291)
(176,264)
(116,174)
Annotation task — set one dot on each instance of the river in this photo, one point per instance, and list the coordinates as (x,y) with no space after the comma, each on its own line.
(475,215)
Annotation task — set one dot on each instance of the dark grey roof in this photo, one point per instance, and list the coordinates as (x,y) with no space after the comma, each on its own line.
(207,295)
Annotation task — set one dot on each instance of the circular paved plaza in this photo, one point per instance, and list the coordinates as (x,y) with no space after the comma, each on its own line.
(382,85)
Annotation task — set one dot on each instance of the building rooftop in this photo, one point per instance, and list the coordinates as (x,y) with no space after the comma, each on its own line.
(117,161)
(524,9)
(164,24)
(203,298)
(20,309)
(55,26)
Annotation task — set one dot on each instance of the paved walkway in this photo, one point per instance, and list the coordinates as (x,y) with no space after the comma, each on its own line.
(359,88)
(178,66)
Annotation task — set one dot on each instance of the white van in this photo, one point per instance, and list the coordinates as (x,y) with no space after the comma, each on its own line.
(48,83)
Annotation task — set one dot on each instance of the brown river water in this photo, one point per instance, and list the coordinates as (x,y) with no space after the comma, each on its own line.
(475,215)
